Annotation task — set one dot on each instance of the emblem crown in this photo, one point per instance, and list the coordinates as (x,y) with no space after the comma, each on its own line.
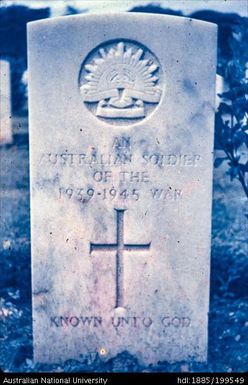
(121,81)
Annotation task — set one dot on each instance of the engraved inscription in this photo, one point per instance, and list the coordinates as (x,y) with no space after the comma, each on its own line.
(76,321)
(162,160)
(120,81)
(94,157)
(175,322)
(119,247)
(85,194)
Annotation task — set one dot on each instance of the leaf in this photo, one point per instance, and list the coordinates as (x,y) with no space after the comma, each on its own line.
(233,172)
(228,95)
(243,167)
(225,108)
(245,128)
(238,139)
(218,162)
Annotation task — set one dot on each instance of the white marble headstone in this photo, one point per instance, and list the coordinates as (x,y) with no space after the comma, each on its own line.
(121,134)
(5,104)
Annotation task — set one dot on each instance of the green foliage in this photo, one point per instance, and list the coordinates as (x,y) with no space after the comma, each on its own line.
(232,115)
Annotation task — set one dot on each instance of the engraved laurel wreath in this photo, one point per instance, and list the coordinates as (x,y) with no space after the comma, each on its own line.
(120,81)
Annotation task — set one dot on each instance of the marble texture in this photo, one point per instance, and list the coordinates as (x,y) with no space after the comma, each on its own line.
(121,144)
(6,136)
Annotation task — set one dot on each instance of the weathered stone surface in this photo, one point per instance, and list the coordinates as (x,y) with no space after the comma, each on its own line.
(5,103)
(121,135)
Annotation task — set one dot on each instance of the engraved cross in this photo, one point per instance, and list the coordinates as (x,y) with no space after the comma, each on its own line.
(119,247)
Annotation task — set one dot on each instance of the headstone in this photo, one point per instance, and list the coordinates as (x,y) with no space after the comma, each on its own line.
(5,104)
(121,133)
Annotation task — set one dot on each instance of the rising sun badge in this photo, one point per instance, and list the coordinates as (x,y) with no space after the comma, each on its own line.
(121,81)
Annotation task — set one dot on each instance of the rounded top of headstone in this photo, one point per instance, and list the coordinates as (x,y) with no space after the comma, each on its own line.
(120,77)
(146,17)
